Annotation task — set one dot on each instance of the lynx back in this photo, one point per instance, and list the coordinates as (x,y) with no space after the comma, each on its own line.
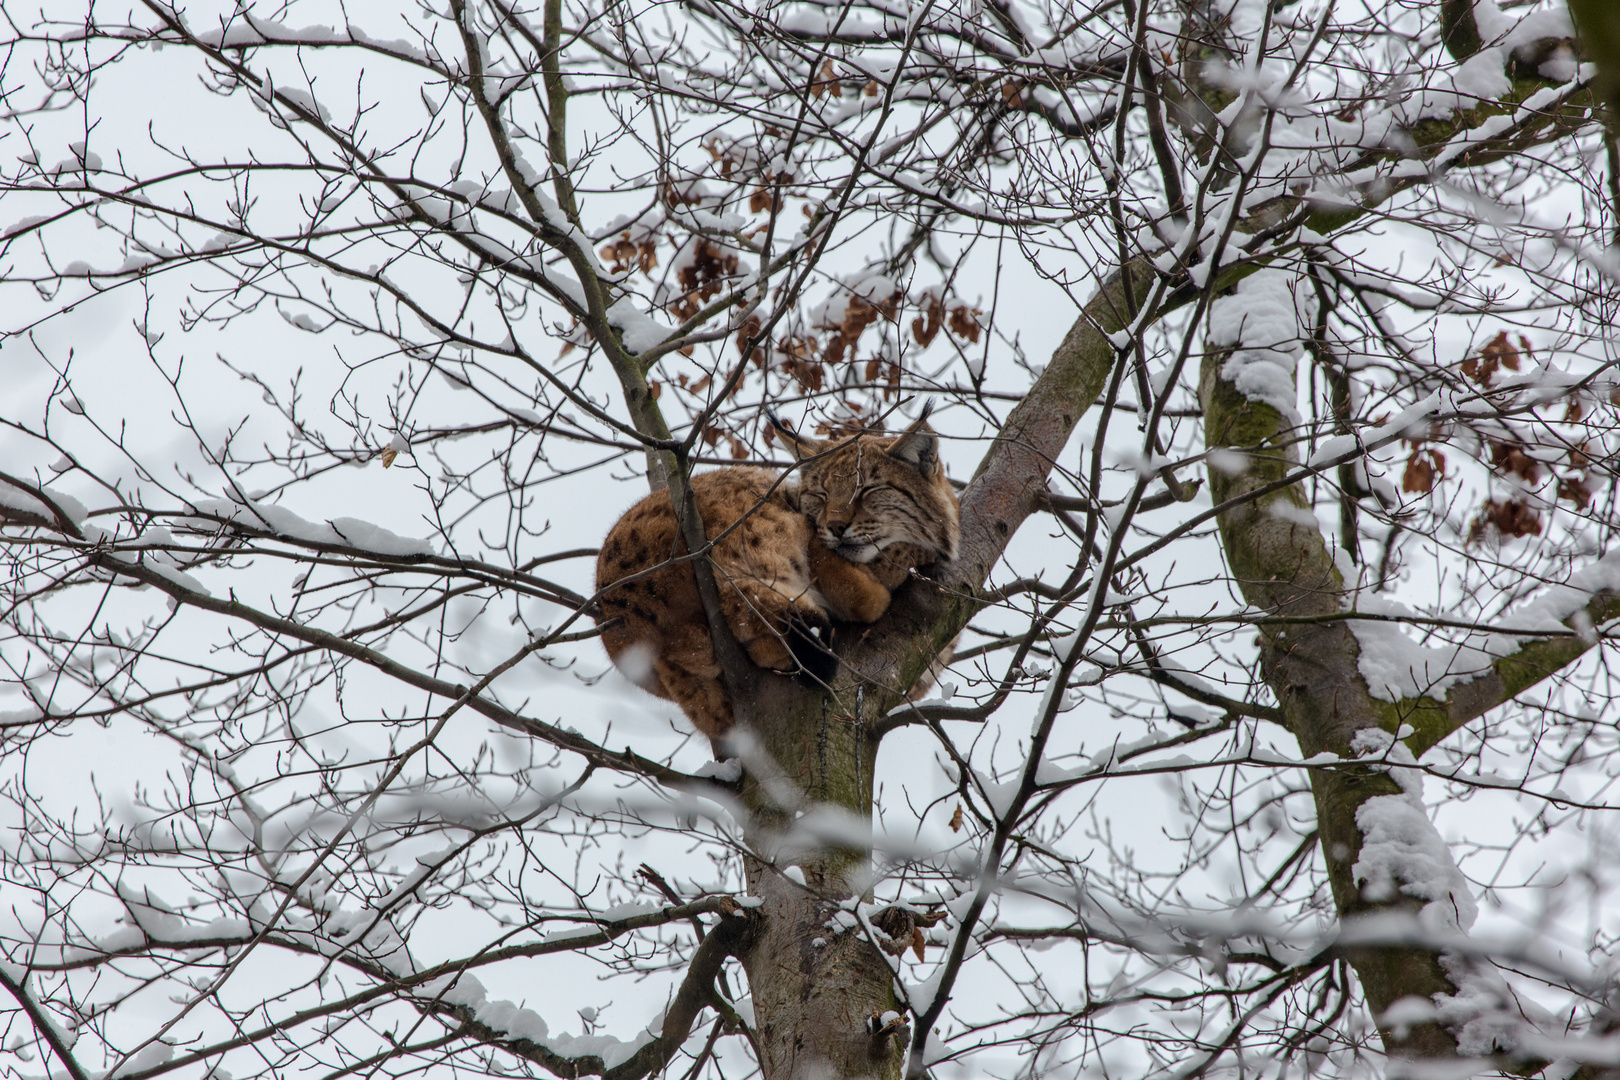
(655,628)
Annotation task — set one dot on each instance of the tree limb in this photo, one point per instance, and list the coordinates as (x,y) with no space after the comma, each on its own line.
(1508,677)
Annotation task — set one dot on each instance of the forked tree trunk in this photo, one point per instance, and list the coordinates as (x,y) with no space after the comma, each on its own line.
(1280,562)
(813,1003)
(1282,566)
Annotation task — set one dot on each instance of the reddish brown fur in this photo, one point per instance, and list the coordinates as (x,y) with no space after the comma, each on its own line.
(772,569)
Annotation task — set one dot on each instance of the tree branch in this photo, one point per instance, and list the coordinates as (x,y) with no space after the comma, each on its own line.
(42,1023)
(622,761)
(696,991)
(1011,478)
(1507,677)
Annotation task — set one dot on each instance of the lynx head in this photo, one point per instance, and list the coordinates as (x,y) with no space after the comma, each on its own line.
(870,491)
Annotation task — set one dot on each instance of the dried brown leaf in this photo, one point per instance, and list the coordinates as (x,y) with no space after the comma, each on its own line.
(1514,458)
(1573,489)
(1505,517)
(964,322)
(926,325)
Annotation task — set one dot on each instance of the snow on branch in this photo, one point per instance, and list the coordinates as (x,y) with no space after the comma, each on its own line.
(1438,688)
(284,524)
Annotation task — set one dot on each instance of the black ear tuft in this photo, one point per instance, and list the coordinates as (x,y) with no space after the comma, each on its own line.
(797,445)
(918,445)
(809,639)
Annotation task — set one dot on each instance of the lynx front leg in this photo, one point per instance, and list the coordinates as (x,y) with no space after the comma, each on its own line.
(851,591)
(779,633)
(893,565)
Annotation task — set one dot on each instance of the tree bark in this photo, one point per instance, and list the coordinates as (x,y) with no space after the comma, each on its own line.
(1282,565)
(816,987)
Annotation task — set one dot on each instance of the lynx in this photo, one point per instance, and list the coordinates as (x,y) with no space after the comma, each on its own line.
(831,548)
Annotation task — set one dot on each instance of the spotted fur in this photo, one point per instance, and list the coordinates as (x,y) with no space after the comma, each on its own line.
(866,511)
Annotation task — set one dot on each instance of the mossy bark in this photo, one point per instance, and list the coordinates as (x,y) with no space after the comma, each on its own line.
(1282,565)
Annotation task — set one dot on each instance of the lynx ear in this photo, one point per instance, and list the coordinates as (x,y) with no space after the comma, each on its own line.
(797,445)
(918,446)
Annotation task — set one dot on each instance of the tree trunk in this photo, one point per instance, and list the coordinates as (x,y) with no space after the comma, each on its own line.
(1282,566)
(815,986)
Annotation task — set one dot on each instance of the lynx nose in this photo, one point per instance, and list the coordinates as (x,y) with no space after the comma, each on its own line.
(836,528)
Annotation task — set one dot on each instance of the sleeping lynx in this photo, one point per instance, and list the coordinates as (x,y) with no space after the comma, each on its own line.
(865,511)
